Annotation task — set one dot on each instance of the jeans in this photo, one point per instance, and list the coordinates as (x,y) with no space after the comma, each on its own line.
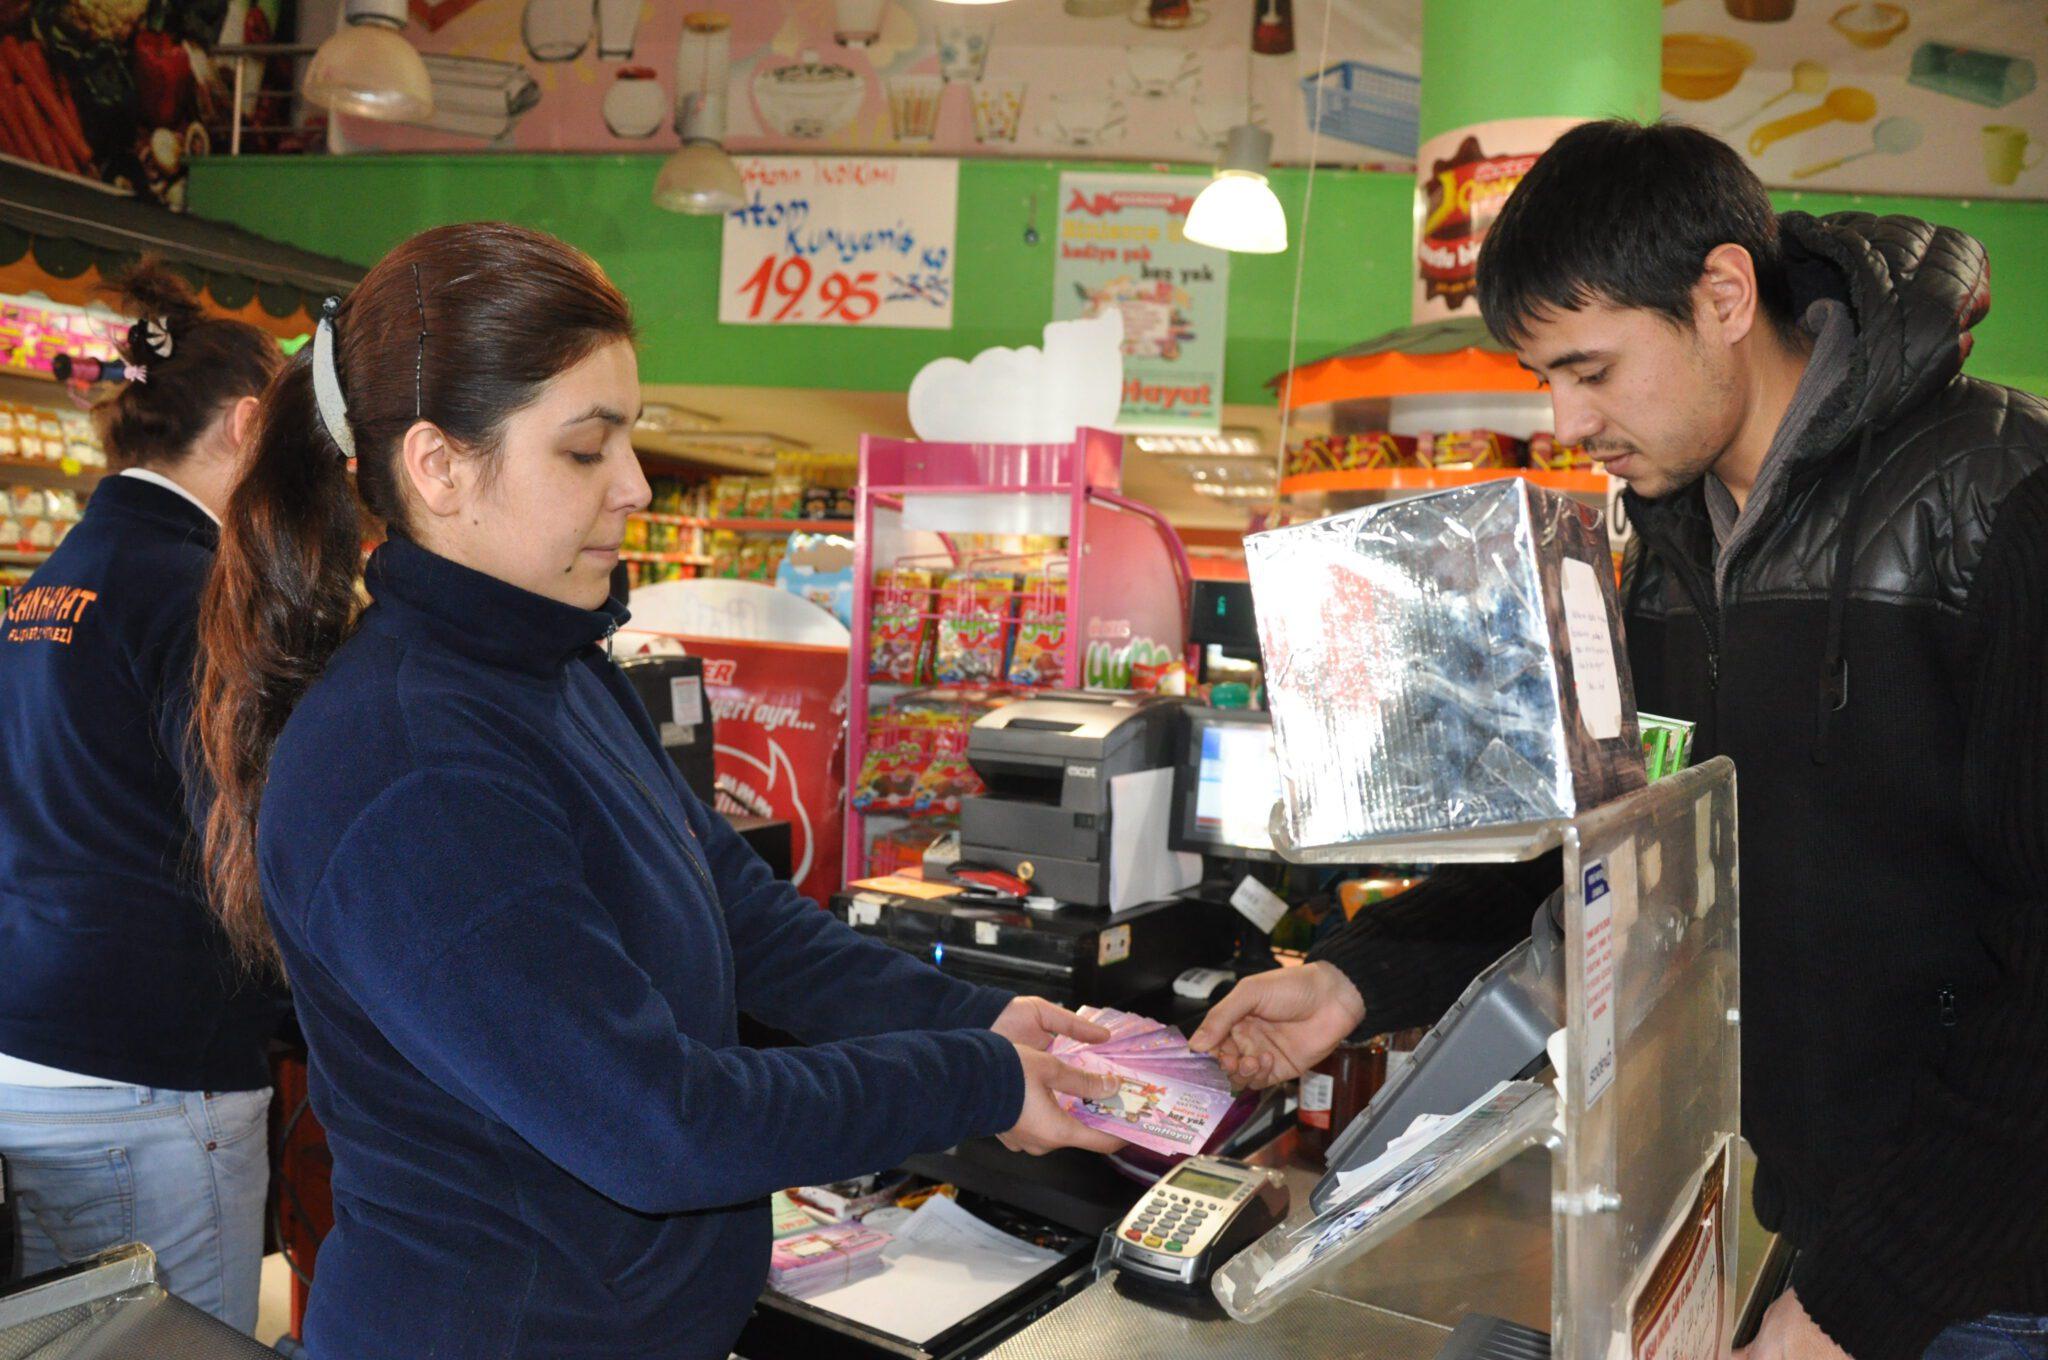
(182,1172)
(1996,1336)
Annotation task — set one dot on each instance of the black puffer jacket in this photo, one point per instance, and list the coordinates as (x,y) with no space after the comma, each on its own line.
(1877,667)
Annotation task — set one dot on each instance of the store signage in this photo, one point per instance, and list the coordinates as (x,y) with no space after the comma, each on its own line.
(1462,178)
(841,241)
(779,721)
(1121,248)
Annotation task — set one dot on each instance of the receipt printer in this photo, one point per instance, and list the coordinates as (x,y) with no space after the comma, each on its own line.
(1047,763)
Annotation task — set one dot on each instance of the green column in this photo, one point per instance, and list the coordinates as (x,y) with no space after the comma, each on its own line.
(1489,59)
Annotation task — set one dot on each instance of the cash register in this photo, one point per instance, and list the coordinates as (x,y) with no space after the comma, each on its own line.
(1048,763)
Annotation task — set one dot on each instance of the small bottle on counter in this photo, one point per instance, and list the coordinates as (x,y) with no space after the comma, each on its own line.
(1335,1090)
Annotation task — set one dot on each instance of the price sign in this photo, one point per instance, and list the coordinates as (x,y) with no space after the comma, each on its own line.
(841,241)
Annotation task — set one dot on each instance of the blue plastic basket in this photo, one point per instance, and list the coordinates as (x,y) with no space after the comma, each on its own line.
(1369,105)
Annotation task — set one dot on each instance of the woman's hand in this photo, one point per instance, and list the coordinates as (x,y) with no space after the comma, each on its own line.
(1034,1022)
(1275,1026)
(1043,1125)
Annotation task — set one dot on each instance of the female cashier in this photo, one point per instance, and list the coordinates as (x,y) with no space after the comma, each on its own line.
(133,1086)
(518,944)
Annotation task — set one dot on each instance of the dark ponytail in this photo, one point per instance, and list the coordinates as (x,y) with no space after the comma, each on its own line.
(460,327)
(195,365)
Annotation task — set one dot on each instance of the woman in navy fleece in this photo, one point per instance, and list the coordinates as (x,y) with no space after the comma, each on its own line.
(518,944)
(133,1086)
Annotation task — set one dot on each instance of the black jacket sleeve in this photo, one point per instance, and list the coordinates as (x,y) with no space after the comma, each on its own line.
(1410,958)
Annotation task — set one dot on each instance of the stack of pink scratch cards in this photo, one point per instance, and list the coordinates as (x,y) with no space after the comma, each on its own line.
(1171,1099)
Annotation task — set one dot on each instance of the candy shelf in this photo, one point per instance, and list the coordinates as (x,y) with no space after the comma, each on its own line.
(749,526)
(1126,576)
(23,559)
(680,559)
(1438,479)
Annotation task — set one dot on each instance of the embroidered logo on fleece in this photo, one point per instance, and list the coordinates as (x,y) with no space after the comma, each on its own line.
(46,613)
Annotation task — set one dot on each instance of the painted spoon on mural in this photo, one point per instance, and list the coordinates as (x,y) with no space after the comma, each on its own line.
(1848,103)
(1808,77)
(1891,137)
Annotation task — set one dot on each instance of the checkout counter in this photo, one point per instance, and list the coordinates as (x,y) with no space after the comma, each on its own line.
(1568,1222)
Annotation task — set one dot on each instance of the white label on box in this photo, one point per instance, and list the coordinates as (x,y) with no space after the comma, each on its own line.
(1113,947)
(987,932)
(675,734)
(1598,979)
(1318,1092)
(863,911)
(1258,904)
(686,700)
(1593,668)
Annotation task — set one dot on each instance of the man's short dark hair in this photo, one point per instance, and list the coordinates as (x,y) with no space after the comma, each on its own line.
(1626,214)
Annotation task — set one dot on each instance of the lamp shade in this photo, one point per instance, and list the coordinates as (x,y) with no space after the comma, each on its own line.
(699,179)
(368,68)
(1238,211)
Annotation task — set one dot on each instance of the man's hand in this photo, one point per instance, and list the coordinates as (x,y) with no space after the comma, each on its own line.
(1277,1025)
(1034,1022)
(1042,1125)
(1788,1333)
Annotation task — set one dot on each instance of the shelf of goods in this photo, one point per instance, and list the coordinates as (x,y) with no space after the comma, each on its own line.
(984,573)
(736,527)
(1441,359)
(1582,482)
(749,526)
(50,460)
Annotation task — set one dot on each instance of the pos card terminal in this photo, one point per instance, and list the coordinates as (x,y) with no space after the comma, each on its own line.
(1197,1217)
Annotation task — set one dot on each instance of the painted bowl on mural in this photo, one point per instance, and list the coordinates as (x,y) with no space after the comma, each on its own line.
(808,98)
(1703,65)
(1870,25)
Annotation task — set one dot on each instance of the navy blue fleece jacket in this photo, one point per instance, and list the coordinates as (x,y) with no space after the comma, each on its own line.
(110,964)
(519,946)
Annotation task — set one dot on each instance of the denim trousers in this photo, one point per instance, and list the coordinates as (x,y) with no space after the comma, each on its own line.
(182,1172)
(1996,1336)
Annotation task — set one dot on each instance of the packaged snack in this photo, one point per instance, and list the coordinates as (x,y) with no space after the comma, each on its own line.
(974,614)
(946,779)
(723,548)
(1037,658)
(728,497)
(888,777)
(1547,455)
(899,631)
(757,498)
(1667,744)
(1475,449)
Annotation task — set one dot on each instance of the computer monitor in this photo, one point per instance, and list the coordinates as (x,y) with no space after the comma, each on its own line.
(1225,783)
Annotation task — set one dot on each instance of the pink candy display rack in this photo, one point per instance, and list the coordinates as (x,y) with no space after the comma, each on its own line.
(1116,569)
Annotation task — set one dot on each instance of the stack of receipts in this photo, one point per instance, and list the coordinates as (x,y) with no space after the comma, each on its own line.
(1169,1098)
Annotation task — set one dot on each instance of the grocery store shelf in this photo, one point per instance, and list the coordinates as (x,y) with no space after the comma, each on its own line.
(37,470)
(23,559)
(670,559)
(751,526)
(1438,479)
(697,460)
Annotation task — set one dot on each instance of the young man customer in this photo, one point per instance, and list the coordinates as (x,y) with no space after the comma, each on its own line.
(1841,574)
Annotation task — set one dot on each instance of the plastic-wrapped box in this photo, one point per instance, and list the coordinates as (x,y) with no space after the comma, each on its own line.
(1444,664)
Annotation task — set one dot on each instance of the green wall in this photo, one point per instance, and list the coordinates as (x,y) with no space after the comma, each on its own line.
(1356,283)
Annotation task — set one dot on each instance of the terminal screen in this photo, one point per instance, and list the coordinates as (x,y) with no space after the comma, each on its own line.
(1237,784)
